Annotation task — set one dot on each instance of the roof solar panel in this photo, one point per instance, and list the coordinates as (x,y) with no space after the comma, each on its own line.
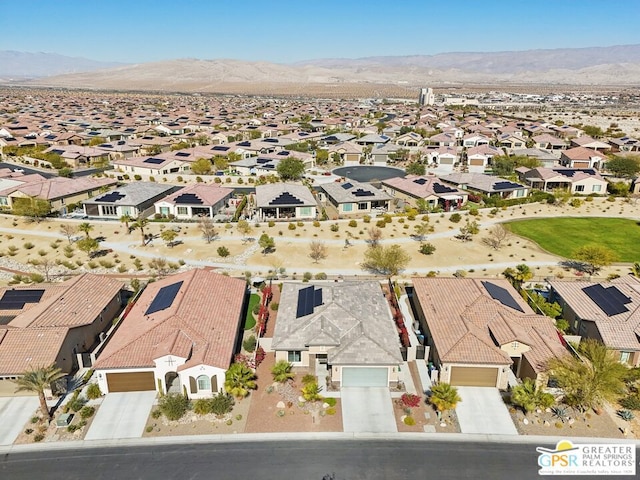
(164,298)
(420,181)
(505,185)
(283,152)
(189,198)
(347,186)
(286,198)
(183,154)
(220,148)
(13,305)
(111,197)
(502,295)
(363,193)
(15,299)
(440,188)
(305,302)
(244,144)
(610,300)
(155,161)
(317,298)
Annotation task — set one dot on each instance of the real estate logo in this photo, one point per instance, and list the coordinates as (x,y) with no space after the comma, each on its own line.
(587,459)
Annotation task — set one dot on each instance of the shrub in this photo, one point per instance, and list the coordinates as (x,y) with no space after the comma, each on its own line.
(137,177)
(353,223)
(274,306)
(381,224)
(409,421)
(250,344)
(222,403)
(202,406)
(156,413)
(455,218)
(260,356)
(632,402)
(73,427)
(28,245)
(427,248)
(306,276)
(316,223)
(331,411)
(576,202)
(173,406)
(366,218)
(334,227)
(292,226)
(93,391)
(330,401)
(309,378)
(223,252)
(474,212)
(410,400)
(320,276)
(35,419)
(28,431)
(76,403)
(87,412)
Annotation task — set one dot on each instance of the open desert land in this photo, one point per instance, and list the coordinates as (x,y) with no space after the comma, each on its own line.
(23,243)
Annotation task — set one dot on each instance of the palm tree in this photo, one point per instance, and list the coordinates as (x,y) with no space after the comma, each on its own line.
(521,274)
(85,227)
(444,397)
(126,218)
(635,269)
(239,379)
(281,371)
(590,381)
(529,396)
(37,380)
(140,223)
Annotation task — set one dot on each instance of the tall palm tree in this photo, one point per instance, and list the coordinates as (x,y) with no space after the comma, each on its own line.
(141,224)
(529,396)
(85,227)
(37,380)
(444,397)
(519,275)
(239,379)
(126,219)
(281,371)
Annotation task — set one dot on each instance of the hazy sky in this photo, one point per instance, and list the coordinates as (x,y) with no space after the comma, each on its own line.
(288,31)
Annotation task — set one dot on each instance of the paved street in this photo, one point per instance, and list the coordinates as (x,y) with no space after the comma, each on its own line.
(367,409)
(14,414)
(121,415)
(483,411)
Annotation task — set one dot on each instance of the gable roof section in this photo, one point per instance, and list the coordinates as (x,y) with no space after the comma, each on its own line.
(208,194)
(299,194)
(353,191)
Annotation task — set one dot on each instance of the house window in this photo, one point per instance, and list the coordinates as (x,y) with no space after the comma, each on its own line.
(109,210)
(625,357)
(514,345)
(363,206)
(596,188)
(579,188)
(182,210)
(204,383)
(347,207)
(294,356)
(305,211)
(519,193)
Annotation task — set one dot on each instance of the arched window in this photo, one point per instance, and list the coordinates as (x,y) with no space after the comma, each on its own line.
(204,383)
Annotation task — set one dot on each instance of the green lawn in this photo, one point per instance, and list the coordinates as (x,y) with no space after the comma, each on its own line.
(249,321)
(562,236)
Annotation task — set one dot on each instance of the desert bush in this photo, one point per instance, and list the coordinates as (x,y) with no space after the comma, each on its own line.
(93,391)
(223,252)
(334,227)
(427,248)
(292,226)
(330,401)
(410,400)
(87,412)
(222,403)
(320,276)
(455,218)
(173,406)
(353,223)
(250,344)
(331,411)
(28,245)
(409,421)
(366,218)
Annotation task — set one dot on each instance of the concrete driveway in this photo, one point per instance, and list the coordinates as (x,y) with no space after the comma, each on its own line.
(483,411)
(367,409)
(121,415)
(14,414)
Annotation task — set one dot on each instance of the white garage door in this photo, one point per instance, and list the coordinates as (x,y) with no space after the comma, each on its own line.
(365,377)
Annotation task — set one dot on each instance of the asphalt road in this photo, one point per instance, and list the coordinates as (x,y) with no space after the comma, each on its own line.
(305,460)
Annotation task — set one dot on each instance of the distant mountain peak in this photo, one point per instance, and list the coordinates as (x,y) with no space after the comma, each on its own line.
(15,64)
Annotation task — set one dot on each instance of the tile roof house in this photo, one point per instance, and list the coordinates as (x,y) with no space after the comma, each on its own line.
(150,166)
(133,199)
(482,332)
(606,311)
(342,330)
(480,157)
(285,201)
(486,185)
(428,188)
(180,336)
(587,142)
(582,157)
(196,200)
(48,324)
(353,198)
(581,181)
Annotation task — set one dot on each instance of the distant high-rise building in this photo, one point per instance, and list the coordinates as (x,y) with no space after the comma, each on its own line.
(426,97)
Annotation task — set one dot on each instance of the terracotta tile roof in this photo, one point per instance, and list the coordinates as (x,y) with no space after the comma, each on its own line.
(209,194)
(202,322)
(22,348)
(467,325)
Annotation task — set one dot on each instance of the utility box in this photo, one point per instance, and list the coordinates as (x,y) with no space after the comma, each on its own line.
(64,420)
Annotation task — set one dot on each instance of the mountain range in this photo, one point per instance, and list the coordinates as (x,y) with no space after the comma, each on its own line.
(615,66)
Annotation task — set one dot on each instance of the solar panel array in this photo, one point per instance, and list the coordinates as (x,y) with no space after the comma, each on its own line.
(505,185)
(284,152)
(347,186)
(15,299)
(155,161)
(164,298)
(420,181)
(189,198)
(183,154)
(286,198)
(111,197)
(440,188)
(363,193)
(220,148)
(308,299)
(610,300)
(502,295)
(244,144)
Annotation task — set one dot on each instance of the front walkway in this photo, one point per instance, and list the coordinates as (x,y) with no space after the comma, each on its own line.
(482,410)
(367,410)
(121,415)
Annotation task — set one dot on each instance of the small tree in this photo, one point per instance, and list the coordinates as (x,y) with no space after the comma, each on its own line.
(537,301)
(595,257)
(169,236)
(35,208)
(201,166)
(141,224)
(498,235)
(468,231)
(444,397)
(281,371)
(317,251)
(161,266)
(375,235)
(239,379)
(266,243)
(290,169)
(208,229)
(68,231)
(245,230)
(625,167)
(415,168)
(529,397)
(36,381)
(518,276)
(86,228)
(422,229)
(44,266)
(88,245)
(386,260)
